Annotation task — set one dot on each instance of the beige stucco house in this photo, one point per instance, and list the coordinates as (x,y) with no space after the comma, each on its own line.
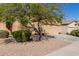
(66,27)
(69,25)
(3,26)
(51,29)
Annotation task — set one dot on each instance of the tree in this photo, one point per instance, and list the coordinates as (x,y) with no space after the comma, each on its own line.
(42,14)
(9,13)
(9,21)
(31,13)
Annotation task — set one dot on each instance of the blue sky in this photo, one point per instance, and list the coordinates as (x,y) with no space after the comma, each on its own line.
(71,11)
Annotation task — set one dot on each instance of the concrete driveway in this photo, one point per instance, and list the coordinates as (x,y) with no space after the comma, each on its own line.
(70,50)
(68,38)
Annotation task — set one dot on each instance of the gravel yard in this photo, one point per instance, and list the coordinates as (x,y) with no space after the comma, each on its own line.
(31,48)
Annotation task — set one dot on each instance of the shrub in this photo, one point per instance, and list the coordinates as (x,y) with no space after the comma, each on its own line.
(75,33)
(21,35)
(4,34)
(67,33)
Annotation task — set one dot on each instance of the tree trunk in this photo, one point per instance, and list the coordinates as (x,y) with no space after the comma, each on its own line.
(40,32)
(34,28)
(10,28)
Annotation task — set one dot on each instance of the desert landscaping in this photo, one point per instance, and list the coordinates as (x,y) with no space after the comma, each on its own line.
(41,48)
(36,30)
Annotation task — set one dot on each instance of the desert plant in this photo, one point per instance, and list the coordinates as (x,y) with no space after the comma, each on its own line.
(75,33)
(4,34)
(21,35)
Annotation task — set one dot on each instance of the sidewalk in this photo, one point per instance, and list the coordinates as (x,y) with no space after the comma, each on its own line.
(70,50)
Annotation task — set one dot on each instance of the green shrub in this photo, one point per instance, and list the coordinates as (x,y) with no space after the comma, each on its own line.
(4,34)
(75,33)
(67,33)
(21,35)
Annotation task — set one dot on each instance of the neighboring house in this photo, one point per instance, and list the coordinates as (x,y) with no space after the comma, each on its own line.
(69,25)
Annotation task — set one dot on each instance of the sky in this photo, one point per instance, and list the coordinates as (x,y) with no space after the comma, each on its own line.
(71,11)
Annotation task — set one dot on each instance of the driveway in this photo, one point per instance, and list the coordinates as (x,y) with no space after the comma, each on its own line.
(70,50)
(68,38)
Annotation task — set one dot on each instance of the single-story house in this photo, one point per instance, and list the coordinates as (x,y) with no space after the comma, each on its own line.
(69,25)
(66,27)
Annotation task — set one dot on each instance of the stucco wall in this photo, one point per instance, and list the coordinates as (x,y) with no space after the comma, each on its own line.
(64,29)
(52,30)
(3,26)
(16,26)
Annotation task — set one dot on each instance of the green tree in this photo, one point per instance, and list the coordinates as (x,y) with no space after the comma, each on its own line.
(31,13)
(42,14)
(9,13)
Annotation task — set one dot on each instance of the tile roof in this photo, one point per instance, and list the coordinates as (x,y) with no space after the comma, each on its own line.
(66,22)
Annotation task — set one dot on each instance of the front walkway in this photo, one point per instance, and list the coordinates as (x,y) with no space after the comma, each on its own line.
(70,50)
